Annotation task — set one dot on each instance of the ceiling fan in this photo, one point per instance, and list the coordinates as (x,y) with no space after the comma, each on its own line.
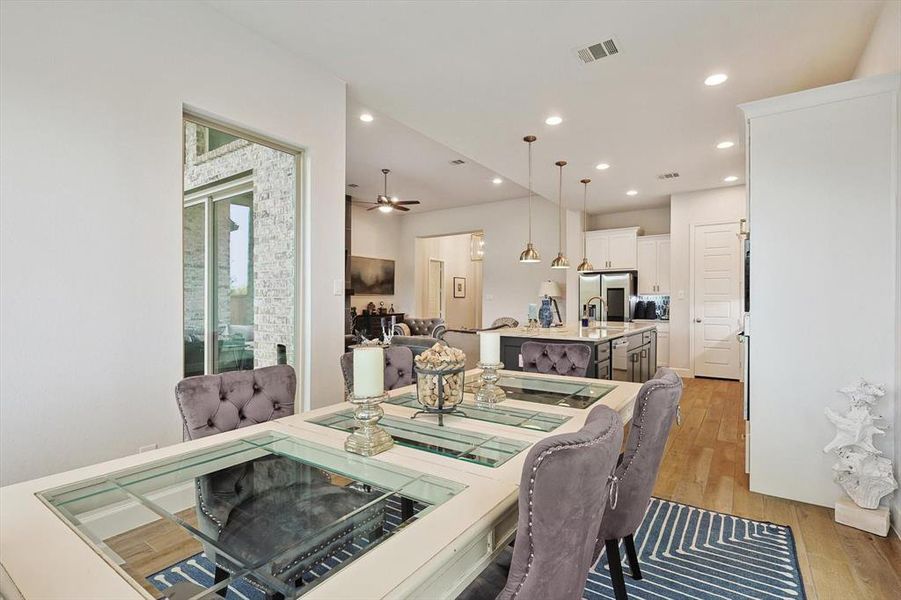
(386,203)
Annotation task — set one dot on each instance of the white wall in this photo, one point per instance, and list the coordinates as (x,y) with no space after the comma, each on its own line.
(508,285)
(719,205)
(376,235)
(883,51)
(824,274)
(653,221)
(91,103)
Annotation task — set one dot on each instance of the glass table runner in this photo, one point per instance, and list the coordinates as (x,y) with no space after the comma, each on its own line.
(272,512)
(474,447)
(574,394)
(503,415)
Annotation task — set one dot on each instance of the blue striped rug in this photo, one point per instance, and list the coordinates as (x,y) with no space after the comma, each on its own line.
(693,553)
(685,552)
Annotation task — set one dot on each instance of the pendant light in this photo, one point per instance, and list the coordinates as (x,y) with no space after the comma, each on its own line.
(560,262)
(530,254)
(585,265)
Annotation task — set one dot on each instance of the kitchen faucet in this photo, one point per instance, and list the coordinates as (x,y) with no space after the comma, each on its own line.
(603,307)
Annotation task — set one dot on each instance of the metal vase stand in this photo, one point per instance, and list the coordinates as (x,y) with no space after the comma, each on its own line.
(440,409)
(489,393)
(368,439)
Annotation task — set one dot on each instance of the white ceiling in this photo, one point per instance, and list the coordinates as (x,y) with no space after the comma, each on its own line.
(478,76)
(420,167)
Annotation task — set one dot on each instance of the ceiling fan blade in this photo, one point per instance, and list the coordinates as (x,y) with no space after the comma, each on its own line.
(362,203)
(401,208)
(403,202)
(373,208)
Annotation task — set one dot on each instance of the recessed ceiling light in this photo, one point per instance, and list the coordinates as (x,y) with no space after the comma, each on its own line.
(730,178)
(724,145)
(366,118)
(602,167)
(632,193)
(554,120)
(497,181)
(716,79)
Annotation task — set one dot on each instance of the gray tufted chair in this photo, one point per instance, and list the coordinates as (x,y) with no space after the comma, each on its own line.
(211,404)
(227,498)
(556,359)
(398,368)
(655,410)
(559,508)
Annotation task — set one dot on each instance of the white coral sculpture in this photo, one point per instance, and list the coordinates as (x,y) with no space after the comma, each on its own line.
(861,469)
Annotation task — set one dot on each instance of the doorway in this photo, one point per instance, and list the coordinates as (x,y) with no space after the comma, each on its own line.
(436,288)
(716,300)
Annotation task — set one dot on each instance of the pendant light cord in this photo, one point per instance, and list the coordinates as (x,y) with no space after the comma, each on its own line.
(530,192)
(585,220)
(560,211)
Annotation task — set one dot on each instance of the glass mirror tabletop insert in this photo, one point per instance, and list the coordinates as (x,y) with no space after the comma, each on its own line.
(574,394)
(263,515)
(503,415)
(471,446)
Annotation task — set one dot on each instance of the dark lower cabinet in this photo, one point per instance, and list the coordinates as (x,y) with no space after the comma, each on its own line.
(605,369)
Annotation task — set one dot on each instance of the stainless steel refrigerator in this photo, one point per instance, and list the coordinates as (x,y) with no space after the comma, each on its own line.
(618,289)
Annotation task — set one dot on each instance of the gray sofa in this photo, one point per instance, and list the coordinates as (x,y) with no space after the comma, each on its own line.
(418,334)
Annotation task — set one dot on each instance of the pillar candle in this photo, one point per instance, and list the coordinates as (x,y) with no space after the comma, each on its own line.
(369,372)
(489,348)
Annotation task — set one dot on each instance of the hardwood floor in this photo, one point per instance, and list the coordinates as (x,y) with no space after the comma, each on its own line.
(704,466)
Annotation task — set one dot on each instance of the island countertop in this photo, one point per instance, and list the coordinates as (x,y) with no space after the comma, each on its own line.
(605,332)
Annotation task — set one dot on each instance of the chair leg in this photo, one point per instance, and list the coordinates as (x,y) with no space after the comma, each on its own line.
(633,557)
(616,569)
(220,576)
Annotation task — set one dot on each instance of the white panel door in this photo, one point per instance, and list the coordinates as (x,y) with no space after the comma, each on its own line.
(663,269)
(716,301)
(623,251)
(598,250)
(647,266)
(436,288)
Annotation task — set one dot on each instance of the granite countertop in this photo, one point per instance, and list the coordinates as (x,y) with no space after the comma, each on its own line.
(607,331)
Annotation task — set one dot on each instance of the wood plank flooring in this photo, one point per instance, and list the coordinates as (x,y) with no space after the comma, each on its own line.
(704,465)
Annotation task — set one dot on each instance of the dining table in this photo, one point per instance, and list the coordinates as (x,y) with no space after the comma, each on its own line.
(289,511)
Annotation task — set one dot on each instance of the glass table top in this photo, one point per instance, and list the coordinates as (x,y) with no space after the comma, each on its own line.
(471,446)
(503,415)
(574,394)
(265,514)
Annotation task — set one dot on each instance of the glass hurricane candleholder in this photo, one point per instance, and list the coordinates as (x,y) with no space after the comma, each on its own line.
(489,393)
(368,439)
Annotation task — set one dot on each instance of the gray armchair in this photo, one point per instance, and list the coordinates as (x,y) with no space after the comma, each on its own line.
(653,415)
(562,497)
(414,326)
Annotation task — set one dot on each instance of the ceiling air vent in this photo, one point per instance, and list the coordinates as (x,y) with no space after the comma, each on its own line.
(458,161)
(589,54)
(352,185)
(671,175)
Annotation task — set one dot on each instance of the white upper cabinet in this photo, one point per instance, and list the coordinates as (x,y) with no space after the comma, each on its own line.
(613,249)
(653,264)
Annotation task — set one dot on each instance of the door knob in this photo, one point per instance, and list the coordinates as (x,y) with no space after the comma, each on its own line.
(697,320)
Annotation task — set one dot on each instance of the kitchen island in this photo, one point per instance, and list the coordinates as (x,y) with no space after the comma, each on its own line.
(619,351)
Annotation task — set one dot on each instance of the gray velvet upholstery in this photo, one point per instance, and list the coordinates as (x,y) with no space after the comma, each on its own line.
(398,368)
(556,359)
(653,415)
(416,343)
(562,497)
(431,327)
(211,404)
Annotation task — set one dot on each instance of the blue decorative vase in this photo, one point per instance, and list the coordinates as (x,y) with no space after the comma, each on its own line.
(545,314)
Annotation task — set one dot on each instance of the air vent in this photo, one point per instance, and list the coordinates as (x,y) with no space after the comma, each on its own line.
(671,175)
(458,161)
(352,185)
(589,54)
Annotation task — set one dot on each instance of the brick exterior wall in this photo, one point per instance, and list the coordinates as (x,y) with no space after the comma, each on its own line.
(272,282)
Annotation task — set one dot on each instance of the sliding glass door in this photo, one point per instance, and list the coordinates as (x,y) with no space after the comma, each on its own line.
(239,253)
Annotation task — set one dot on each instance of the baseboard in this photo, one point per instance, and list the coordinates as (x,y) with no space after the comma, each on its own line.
(684,373)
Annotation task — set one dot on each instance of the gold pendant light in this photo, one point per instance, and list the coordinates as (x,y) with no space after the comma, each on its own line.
(560,262)
(585,265)
(530,254)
